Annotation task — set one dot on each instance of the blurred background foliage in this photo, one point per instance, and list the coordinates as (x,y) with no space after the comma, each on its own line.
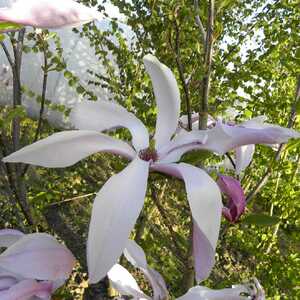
(255,68)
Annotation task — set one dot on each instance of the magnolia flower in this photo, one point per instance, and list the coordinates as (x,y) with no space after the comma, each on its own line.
(48,13)
(33,266)
(125,283)
(235,196)
(224,137)
(119,202)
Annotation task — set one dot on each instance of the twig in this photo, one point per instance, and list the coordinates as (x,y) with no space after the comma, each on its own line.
(9,58)
(268,172)
(199,22)
(43,100)
(70,200)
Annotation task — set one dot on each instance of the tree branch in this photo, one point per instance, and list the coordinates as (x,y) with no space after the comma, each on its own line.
(181,75)
(43,99)
(203,111)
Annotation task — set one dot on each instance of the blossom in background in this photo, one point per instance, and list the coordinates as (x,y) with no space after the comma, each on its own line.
(236,200)
(119,202)
(33,266)
(48,13)
(125,283)
(224,137)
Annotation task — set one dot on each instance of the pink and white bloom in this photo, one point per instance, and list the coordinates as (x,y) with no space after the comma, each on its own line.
(119,202)
(224,137)
(125,283)
(236,199)
(33,266)
(48,13)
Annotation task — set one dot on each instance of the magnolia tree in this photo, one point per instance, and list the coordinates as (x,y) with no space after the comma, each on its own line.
(41,264)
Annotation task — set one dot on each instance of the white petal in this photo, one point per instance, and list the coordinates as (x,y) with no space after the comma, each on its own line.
(243,157)
(9,237)
(115,211)
(167,99)
(68,147)
(182,143)
(256,122)
(206,205)
(135,255)
(105,115)
(204,293)
(124,282)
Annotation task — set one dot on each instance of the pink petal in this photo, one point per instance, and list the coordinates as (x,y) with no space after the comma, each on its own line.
(105,115)
(236,197)
(167,98)
(9,237)
(68,147)
(206,206)
(6,282)
(48,13)
(115,211)
(204,254)
(26,289)
(223,138)
(38,256)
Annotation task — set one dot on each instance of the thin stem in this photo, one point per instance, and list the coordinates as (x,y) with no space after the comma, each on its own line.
(43,98)
(180,68)
(70,200)
(7,54)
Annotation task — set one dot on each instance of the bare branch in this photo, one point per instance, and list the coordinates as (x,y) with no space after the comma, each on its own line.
(181,75)
(43,98)
(203,111)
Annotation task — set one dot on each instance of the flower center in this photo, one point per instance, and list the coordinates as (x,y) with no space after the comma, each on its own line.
(148,155)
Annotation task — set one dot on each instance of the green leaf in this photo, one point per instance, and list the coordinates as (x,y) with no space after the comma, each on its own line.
(6,26)
(261,220)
